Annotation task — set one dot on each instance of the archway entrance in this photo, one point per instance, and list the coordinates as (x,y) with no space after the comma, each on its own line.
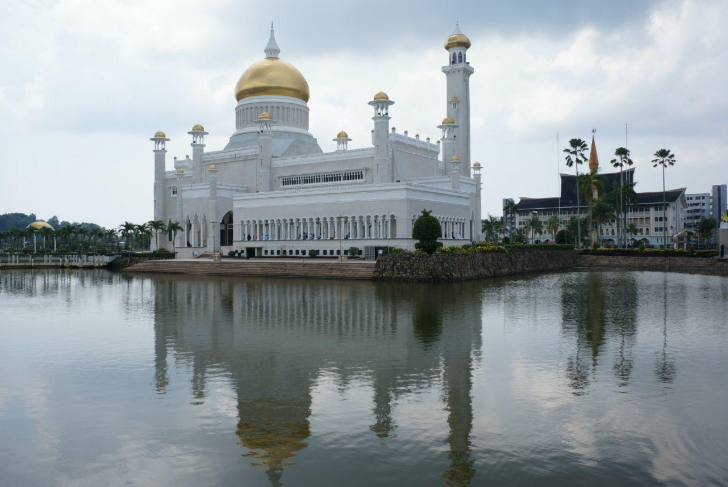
(226,229)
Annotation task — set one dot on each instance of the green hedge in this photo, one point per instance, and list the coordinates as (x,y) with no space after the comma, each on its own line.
(518,247)
(642,252)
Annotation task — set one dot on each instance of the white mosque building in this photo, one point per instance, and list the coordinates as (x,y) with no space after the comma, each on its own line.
(273,191)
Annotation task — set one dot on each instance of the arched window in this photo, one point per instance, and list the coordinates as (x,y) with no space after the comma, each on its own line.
(454,58)
(460,57)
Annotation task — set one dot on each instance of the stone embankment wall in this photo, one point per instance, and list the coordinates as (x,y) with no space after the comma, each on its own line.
(462,267)
(645,262)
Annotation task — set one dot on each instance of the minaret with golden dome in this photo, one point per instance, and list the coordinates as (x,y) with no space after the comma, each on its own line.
(458,72)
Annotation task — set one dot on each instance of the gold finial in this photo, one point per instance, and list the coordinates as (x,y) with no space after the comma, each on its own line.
(381,96)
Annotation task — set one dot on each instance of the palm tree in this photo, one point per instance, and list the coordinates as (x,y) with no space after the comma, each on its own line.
(534,226)
(15,235)
(127,231)
(552,226)
(664,158)
(30,233)
(81,234)
(144,232)
(575,156)
(46,233)
(631,229)
(157,226)
(602,211)
(64,233)
(622,160)
(510,209)
(174,227)
(590,183)
(111,236)
(491,227)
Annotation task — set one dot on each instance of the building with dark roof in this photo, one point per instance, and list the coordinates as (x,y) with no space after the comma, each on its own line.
(647,215)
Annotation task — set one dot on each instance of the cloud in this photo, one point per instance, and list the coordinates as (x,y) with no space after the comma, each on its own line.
(90,81)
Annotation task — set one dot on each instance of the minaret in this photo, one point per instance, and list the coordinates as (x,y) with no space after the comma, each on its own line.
(213,236)
(458,72)
(179,241)
(265,142)
(342,141)
(455,173)
(382,158)
(198,147)
(449,138)
(160,153)
(477,234)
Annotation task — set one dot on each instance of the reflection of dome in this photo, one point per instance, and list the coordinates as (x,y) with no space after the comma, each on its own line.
(342,134)
(198,128)
(447,121)
(381,96)
(161,134)
(40,224)
(271,444)
(272,76)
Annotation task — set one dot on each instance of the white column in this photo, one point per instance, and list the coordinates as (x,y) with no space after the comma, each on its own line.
(366,228)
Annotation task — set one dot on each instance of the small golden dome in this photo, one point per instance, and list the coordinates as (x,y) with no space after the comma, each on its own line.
(457,39)
(454,98)
(448,121)
(381,96)
(342,134)
(180,171)
(477,164)
(160,134)
(272,76)
(265,116)
(213,168)
(455,159)
(37,225)
(198,128)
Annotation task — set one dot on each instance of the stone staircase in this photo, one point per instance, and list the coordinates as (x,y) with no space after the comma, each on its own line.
(321,269)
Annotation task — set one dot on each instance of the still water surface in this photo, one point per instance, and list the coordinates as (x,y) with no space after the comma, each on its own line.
(581,378)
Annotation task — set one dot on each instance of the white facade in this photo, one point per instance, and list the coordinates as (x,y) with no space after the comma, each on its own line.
(273,191)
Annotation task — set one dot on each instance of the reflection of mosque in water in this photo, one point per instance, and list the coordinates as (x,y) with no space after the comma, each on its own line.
(276,337)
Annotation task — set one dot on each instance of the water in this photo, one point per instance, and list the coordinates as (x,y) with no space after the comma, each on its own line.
(580,378)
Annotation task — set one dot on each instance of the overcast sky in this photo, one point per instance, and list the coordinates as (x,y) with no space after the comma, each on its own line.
(84,84)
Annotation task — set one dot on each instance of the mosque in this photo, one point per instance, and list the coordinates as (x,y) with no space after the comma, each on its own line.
(273,191)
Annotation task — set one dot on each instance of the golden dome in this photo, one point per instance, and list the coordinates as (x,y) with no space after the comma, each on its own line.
(198,128)
(160,134)
(342,134)
(454,98)
(272,76)
(213,168)
(477,164)
(37,225)
(447,121)
(180,171)
(455,159)
(381,96)
(265,116)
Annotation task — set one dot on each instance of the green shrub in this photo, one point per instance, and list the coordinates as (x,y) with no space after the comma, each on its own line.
(313,252)
(641,247)
(354,251)
(396,251)
(428,247)
(231,253)
(427,230)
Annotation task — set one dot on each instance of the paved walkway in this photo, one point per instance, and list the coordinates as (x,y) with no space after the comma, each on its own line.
(273,267)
